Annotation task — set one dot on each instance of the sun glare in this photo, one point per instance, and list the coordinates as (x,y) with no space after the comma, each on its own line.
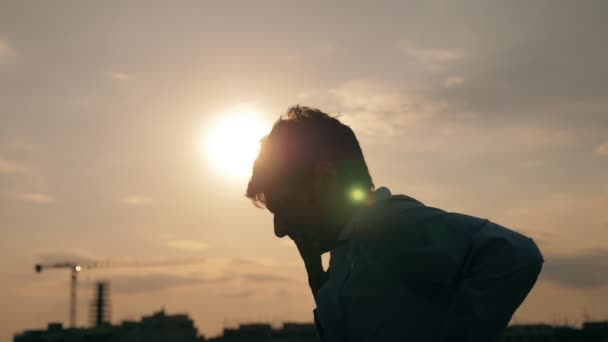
(232,144)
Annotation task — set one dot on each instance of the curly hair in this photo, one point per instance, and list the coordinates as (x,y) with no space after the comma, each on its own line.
(298,139)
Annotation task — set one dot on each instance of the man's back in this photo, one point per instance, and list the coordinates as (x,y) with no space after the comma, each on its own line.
(411,272)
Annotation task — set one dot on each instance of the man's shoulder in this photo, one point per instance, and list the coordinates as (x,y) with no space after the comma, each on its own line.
(403,217)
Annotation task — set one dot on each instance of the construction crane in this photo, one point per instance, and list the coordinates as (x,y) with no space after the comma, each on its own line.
(75,268)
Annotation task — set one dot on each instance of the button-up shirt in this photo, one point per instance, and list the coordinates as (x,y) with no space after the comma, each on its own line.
(404,271)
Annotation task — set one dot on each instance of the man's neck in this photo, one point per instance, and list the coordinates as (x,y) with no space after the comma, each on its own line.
(372,197)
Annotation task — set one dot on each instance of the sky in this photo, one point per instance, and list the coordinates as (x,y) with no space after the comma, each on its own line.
(494,109)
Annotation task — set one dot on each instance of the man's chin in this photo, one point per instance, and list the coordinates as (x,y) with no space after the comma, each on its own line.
(326,246)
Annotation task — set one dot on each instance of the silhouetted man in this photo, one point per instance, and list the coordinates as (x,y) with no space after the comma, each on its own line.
(399,270)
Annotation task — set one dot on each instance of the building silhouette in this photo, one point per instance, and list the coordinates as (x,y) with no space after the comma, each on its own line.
(589,332)
(262,332)
(158,327)
(180,328)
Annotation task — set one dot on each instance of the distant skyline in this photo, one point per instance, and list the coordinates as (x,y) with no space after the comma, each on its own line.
(498,110)
(287,330)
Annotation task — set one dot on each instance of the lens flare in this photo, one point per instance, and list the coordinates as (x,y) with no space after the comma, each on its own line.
(357,195)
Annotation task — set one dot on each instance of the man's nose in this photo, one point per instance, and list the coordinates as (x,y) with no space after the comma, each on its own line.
(280,228)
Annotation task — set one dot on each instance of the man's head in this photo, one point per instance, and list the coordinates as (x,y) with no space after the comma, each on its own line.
(310,173)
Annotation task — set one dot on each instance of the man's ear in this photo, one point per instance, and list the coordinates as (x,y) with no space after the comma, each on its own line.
(325,175)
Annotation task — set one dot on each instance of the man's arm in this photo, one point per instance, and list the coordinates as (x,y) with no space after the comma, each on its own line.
(311,255)
(316,275)
(499,272)
(487,269)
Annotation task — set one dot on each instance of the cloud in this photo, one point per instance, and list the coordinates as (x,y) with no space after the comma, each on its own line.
(264,277)
(52,256)
(453,82)
(584,270)
(239,295)
(188,245)
(515,142)
(36,198)
(537,136)
(375,108)
(130,276)
(120,76)
(602,149)
(370,96)
(88,260)
(529,164)
(12,167)
(315,51)
(572,222)
(137,200)
(547,80)
(129,284)
(6,51)
(21,145)
(242,261)
(432,59)
(129,262)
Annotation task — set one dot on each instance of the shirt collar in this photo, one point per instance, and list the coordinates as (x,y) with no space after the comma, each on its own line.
(379,194)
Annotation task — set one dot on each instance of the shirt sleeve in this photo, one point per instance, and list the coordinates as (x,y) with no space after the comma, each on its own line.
(499,272)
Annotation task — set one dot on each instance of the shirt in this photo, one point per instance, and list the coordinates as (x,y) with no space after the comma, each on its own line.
(408,272)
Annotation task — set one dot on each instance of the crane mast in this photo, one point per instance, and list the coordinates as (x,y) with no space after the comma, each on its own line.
(74,269)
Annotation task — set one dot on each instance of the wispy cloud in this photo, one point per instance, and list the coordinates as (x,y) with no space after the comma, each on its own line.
(36,198)
(188,245)
(128,284)
(602,149)
(375,108)
(584,270)
(149,275)
(130,262)
(314,51)
(6,51)
(137,200)
(242,261)
(539,136)
(431,58)
(85,258)
(51,256)
(453,82)
(552,217)
(120,76)
(476,139)
(12,167)
(240,295)
(264,277)
(22,145)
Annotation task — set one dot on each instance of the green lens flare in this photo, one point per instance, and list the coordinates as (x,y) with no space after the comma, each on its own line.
(357,195)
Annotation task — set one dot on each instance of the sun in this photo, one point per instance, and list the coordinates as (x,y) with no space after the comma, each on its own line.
(232,143)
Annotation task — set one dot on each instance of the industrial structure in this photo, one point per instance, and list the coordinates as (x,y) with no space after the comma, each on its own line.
(74,268)
(158,327)
(100,305)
